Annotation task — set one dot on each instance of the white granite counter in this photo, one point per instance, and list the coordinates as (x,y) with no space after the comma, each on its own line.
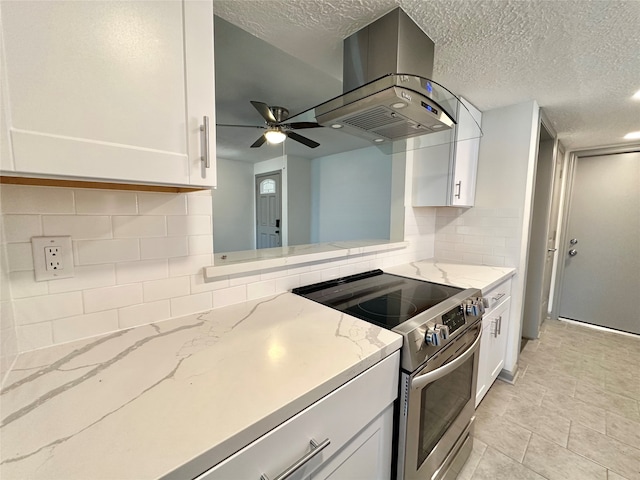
(460,275)
(181,394)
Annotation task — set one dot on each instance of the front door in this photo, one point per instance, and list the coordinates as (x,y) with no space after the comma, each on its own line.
(268,210)
(602,253)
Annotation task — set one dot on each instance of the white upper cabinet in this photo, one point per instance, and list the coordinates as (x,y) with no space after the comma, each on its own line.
(445,174)
(114,91)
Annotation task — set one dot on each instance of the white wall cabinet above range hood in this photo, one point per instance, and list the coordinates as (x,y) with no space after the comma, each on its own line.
(445,174)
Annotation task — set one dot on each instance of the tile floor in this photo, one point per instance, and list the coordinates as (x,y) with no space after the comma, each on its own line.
(572,414)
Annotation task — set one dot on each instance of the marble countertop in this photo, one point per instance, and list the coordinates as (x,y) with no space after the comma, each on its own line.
(460,275)
(176,397)
(173,398)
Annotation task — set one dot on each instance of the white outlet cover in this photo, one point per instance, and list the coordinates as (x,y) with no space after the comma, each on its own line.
(38,244)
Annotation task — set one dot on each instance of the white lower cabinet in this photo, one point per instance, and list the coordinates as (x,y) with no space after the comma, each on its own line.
(352,428)
(493,345)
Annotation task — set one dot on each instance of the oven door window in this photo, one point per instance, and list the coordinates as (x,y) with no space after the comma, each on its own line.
(442,402)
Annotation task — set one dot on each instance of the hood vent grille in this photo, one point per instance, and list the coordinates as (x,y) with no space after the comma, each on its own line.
(374,118)
(386,123)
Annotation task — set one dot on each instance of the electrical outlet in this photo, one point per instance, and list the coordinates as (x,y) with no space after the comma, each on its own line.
(52,257)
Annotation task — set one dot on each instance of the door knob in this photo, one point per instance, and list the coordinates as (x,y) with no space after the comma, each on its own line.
(573,252)
(573,241)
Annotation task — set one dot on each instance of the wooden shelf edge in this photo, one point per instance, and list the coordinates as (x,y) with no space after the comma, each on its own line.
(52,182)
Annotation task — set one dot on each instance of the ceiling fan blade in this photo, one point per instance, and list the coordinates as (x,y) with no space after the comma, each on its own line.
(298,125)
(259,142)
(304,140)
(242,126)
(263,109)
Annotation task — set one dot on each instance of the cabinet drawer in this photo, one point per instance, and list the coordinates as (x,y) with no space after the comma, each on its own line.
(338,417)
(497,294)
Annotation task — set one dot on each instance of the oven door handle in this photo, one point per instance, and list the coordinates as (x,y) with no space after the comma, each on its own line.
(422,380)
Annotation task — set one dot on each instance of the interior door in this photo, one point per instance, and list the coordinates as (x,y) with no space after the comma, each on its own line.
(602,258)
(268,210)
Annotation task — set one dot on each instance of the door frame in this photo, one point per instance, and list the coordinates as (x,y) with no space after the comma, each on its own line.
(572,158)
(532,284)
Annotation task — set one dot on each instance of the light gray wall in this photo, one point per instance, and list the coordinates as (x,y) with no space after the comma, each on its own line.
(299,200)
(351,194)
(233,218)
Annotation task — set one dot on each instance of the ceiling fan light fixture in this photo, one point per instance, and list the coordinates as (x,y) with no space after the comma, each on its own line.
(274,136)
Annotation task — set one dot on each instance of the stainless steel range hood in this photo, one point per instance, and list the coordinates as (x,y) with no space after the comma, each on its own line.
(388,94)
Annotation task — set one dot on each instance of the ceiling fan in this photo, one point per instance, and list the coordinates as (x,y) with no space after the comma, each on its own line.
(276,129)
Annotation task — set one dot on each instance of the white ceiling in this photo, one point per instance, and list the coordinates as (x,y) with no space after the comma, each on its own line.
(579,59)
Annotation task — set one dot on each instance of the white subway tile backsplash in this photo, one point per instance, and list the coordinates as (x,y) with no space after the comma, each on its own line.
(91,252)
(19,256)
(229,296)
(139,226)
(310,278)
(191,304)
(47,307)
(287,283)
(20,228)
(189,225)
(191,265)
(35,200)
(162,204)
(85,277)
(78,226)
(144,313)
(198,285)
(243,279)
(200,244)
(164,247)
(330,273)
(82,326)
(31,337)
(23,284)
(495,260)
(261,289)
(141,271)
(110,298)
(106,202)
(166,288)
(199,204)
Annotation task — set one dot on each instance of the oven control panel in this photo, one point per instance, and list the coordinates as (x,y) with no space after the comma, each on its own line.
(454,319)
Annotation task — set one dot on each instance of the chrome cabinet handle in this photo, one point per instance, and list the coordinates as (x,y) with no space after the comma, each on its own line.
(459,187)
(499,326)
(315,450)
(422,380)
(206,158)
(499,296)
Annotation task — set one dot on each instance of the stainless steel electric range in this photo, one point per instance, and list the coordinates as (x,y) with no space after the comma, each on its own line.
(441,327)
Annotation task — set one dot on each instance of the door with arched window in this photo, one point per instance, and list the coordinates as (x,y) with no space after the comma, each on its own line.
(268,210)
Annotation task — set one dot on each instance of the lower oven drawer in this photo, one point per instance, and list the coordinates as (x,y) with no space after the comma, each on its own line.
(352,410)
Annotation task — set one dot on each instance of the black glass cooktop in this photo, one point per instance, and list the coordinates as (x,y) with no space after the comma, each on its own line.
(377,297)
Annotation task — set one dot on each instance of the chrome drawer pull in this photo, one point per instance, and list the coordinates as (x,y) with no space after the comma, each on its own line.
(499,296)
(315,450)
(206,158)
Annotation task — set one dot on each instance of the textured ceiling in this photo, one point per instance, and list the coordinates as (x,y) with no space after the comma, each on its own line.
(579,59)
